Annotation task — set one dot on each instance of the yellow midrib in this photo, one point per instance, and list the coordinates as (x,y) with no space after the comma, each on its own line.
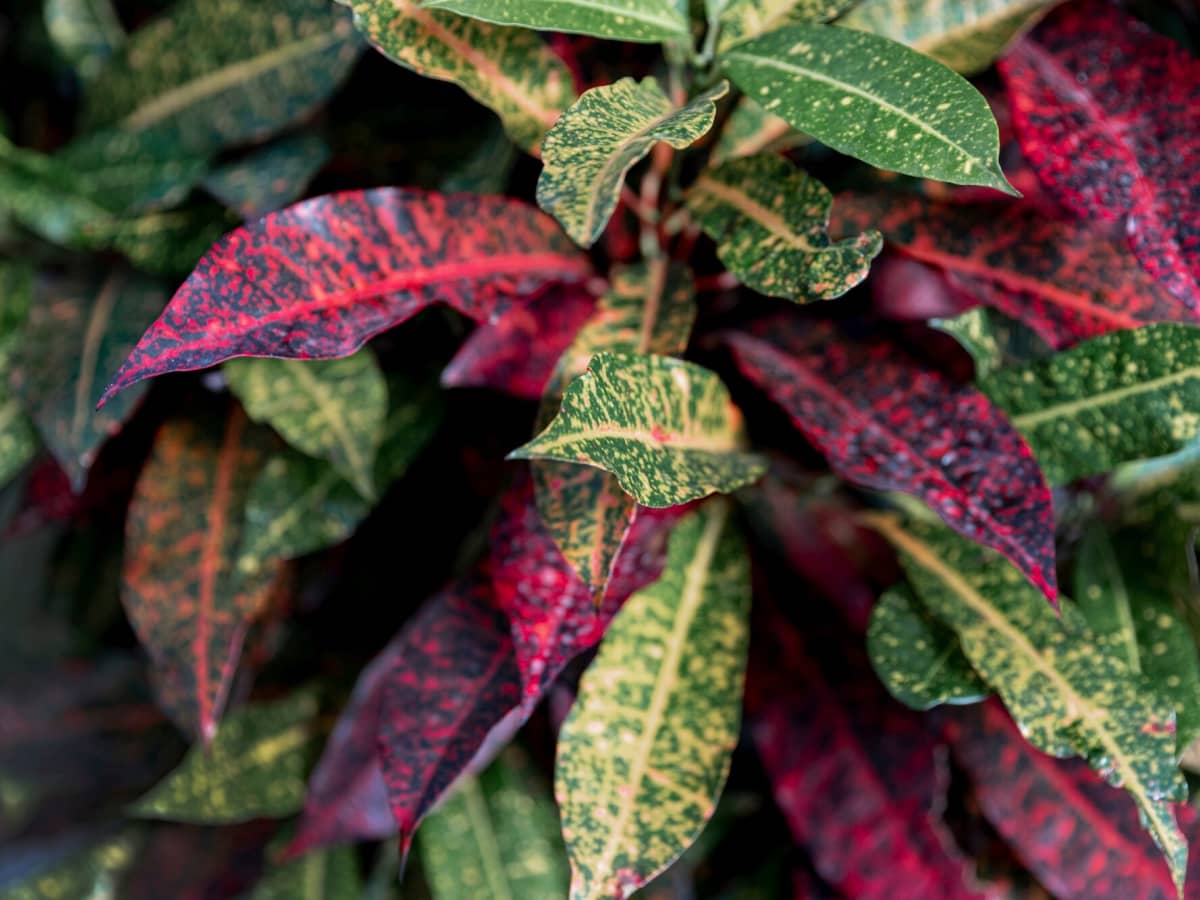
(1071,407)
(990,19)
(331,411)
(749,207)
(641,436)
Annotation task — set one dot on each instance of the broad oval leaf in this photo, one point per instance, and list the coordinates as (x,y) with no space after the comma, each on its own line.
(622,20)
(885,421)
(854,91)
(587,154)
(509,70)
(770,222)
(253,768)
(645,750)
(318,279)
(270,177)
(667,429)
(1116,398)
(739,20)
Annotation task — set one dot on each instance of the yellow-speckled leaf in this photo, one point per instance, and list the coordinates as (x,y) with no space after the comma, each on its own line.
(92,875)
(647,309)
(770,222)
(966,35)
(750,129)
(333,409)
(666,428)
(598,140)
(495,836)
(509,70)
(992,339)
(255,767)
(85,32)
(623,20)
(645,751)
(18,441)
(1067,693)
(739,20)
(330,874)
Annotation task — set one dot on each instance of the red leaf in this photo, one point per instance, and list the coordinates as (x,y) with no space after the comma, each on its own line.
(318,279)
(886,422)
(1106,112)
(517,353)
(1066,282)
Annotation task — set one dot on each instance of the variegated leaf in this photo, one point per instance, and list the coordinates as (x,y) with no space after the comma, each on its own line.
(770,222)
(509,70)
(332,409)
(18,440)
(598,140)
(1118,397)
(254,768)
(85,32)
(852,91)
(667,429)
(992,339)
(623,20)
(646,748)
(750,129)
(330,874)
(739,20)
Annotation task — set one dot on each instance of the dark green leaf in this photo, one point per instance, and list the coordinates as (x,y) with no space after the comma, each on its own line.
(623,20)
(993,340)
(269,178)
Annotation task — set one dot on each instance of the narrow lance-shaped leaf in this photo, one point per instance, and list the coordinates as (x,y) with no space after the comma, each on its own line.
(644,753)
(18,440)
(269,178)
(597,141)
(318,279)
(85,32)
(330,874)
(739,20)
(254,768)
(622,20)
(770,222)
(1068,695)
(855,92)
(1116,398)
(667,429)
(509,70)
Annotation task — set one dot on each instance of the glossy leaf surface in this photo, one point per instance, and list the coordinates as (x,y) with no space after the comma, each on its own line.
(624,20)
(739,20)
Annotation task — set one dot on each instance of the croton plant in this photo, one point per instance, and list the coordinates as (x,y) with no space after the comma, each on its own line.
(725,412)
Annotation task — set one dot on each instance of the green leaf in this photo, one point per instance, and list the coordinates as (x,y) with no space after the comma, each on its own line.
(993,340)
(330,874)
(509,70)
(18,440)
(917,658)
(333,409)
(1066,693)
(271,177)
(254,768)
(644,753)
(770,222)
(873,99)
(1118,397)
(598,140)
(966,35)
(94,874)
(667,429)
(750,129)
(621,20)
(85,32)
(740,20)
(496,836)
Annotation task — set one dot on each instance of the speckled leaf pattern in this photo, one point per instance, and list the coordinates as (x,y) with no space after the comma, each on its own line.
(622,20)
(917,658)
(645,751)
(966,35)
(332,409)
(93,874)
(769,220)
(318,279)
(741,20)
(495,836)
(667,429)
(587,154)
(1104,108)
(253,768)
(648,308)
(1118,397)
(859,94)
(886,421)
(509,70)
(324,874)
(992,339)
(79,330)
(18,440)
(750,129)
(1067,694)
(269,178)
(212,73)
(85,32)
(182,590)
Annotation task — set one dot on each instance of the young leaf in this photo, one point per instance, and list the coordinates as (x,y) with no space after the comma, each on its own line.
(269,178)
(853,91)
(509,70)
(739,20)
(381,256)
(887,422)
(667,429)
(750,129)
(646,748)
(496,836)
(967,35)
(993,340)
(597,141)
(214,73)
(1118,397)
(18,440)
(1107,92)
(621,20)
(185,596)
(329,874)
(331,409)
(254,768)
(85,32)
(769,220)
